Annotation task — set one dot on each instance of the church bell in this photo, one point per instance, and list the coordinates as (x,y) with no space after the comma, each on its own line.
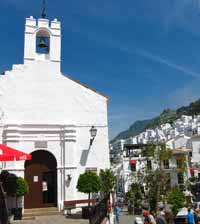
(42,43)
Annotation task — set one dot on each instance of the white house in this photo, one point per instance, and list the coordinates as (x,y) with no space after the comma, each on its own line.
(49,115)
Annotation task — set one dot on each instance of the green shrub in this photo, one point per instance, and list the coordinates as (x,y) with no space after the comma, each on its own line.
(22,187)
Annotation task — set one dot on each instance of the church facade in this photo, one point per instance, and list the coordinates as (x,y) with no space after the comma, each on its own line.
(49,115)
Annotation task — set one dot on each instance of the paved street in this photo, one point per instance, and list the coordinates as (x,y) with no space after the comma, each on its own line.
(126,218)
(58,219)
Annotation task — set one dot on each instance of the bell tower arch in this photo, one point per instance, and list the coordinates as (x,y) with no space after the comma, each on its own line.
(43,34)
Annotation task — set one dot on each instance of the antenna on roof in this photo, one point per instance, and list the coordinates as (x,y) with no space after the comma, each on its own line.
(43,9)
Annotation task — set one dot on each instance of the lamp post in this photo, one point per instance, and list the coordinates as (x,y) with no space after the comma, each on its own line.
(93,133)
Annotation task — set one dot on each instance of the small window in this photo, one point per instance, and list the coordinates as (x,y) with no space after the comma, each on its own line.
(166,164)
(149,165)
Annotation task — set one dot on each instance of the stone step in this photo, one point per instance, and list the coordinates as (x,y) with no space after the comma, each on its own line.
(48,209)
(32,213)
(28,218)
(24,220)
(40,214)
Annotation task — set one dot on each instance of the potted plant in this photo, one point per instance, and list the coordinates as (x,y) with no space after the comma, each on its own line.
(21,190)
(88,183)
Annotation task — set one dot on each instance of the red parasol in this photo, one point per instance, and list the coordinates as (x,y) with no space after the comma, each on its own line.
(10,154)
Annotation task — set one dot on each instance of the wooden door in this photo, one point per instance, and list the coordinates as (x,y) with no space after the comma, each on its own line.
(34,177)
(41,175)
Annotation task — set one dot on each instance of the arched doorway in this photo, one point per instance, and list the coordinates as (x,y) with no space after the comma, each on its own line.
(41,175)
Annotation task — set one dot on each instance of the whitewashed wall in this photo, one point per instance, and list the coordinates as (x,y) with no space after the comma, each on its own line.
(40,103)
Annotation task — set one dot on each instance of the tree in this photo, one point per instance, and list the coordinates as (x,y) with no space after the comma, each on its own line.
(136,188)
(157,186)
(176,198)
(108,180)
(134,195)
(157,180)
(89,183)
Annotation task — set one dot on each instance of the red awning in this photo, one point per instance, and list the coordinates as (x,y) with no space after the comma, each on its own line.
(132,161)
(10,154)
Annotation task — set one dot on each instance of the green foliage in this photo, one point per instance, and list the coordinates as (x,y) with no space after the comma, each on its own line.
(108,180)
(176,198)
(22,187)
(134,195)
(167,116)
(192,109)
(89,183)
(129,196)
(193,179)
(162,153)
(148,151)
(182,165)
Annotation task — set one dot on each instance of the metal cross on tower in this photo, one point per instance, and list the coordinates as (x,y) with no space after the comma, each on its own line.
(44,9)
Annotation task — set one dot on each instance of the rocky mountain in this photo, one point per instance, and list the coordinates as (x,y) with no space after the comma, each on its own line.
(167,116)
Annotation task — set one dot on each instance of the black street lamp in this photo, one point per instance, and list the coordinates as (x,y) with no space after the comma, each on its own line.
(93,133)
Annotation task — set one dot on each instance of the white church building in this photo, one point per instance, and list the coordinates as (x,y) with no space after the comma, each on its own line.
(49,115)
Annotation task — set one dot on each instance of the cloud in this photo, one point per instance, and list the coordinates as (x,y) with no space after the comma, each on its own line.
(97,37)
(154,57)
(167,62)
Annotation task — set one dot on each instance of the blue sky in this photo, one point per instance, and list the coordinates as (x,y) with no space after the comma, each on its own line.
(143,54)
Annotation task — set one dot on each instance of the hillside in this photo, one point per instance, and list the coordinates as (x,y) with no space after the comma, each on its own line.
(167,116)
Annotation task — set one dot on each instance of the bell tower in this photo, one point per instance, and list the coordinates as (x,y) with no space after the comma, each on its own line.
(42,40)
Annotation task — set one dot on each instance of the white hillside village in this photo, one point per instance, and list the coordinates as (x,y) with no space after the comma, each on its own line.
(182,137)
